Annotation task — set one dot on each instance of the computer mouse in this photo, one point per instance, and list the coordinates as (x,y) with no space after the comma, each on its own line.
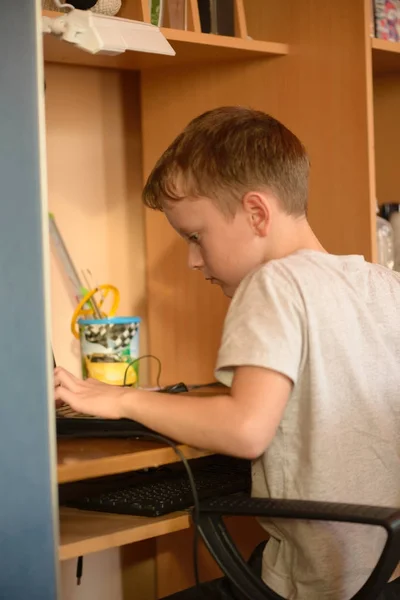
(176,388)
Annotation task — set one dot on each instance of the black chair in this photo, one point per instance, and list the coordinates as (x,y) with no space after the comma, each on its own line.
(224,551)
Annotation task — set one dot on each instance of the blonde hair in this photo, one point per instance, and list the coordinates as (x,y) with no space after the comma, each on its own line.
(226,152)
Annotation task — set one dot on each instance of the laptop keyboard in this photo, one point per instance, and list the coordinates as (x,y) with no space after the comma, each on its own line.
(66,411)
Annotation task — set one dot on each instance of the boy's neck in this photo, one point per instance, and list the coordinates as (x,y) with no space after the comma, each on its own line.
(293,234)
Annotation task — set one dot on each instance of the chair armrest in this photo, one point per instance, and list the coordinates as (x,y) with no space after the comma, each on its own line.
(222,548)
(241,505)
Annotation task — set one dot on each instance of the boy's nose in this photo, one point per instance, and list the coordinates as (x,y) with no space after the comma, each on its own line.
(195,260)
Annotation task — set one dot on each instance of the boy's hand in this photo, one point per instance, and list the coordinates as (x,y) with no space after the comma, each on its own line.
(88,396)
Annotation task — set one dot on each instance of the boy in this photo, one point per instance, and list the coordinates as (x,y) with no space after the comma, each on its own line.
(310,349)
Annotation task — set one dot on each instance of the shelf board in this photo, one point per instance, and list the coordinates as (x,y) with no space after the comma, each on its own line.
(190,47)
(80,459)
(83,532)
(385,56)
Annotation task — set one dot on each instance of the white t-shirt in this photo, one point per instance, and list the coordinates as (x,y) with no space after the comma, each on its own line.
(332,325)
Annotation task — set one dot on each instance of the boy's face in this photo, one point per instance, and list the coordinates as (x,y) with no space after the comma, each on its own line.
(225,249)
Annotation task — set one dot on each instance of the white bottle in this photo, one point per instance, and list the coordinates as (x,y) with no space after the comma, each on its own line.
(384,242)
(395,224)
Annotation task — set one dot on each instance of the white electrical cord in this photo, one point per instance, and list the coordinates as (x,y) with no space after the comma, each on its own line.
(161,14)
(62,5)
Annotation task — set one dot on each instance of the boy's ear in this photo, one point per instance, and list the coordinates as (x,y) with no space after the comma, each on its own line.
(258,211)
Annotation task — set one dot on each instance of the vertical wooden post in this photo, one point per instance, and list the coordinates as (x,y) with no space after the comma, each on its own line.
(138,564)
(240,20)
(145,11)
(193,16)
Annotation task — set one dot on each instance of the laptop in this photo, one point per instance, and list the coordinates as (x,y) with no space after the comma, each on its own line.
(71,424)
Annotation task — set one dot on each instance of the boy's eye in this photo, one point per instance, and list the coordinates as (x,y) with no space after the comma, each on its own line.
(193,237)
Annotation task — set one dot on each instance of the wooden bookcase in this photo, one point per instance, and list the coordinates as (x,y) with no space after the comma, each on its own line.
(83,532)
(112,117)
(386,101)
(312,65)
(155,541)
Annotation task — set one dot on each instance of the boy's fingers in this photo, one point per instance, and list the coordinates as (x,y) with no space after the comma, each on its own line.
(62,394)
(65,379)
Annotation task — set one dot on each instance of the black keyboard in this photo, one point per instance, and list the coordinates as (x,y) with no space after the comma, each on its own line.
(71,424)
(160,491)
(92,427)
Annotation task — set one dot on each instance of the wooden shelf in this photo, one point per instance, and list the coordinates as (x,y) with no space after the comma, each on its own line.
(86,458)
(190,47)
(83,532)
(385,56)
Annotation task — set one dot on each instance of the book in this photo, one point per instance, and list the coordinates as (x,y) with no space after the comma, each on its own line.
(387,19)
(205,15)
(222,17)
(217,16)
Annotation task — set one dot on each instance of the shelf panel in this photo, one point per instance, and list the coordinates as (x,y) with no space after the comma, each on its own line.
(385,56)
(190,47)
(83,532)
(86,458)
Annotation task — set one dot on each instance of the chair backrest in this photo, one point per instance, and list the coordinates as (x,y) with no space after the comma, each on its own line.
(224,551)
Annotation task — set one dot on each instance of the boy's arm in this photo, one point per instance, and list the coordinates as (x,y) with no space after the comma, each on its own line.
(242,423)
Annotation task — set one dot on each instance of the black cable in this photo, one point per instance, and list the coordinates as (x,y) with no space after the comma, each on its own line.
(205,385)
(178,452)
(196,503)
(133,362)
(79,568)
